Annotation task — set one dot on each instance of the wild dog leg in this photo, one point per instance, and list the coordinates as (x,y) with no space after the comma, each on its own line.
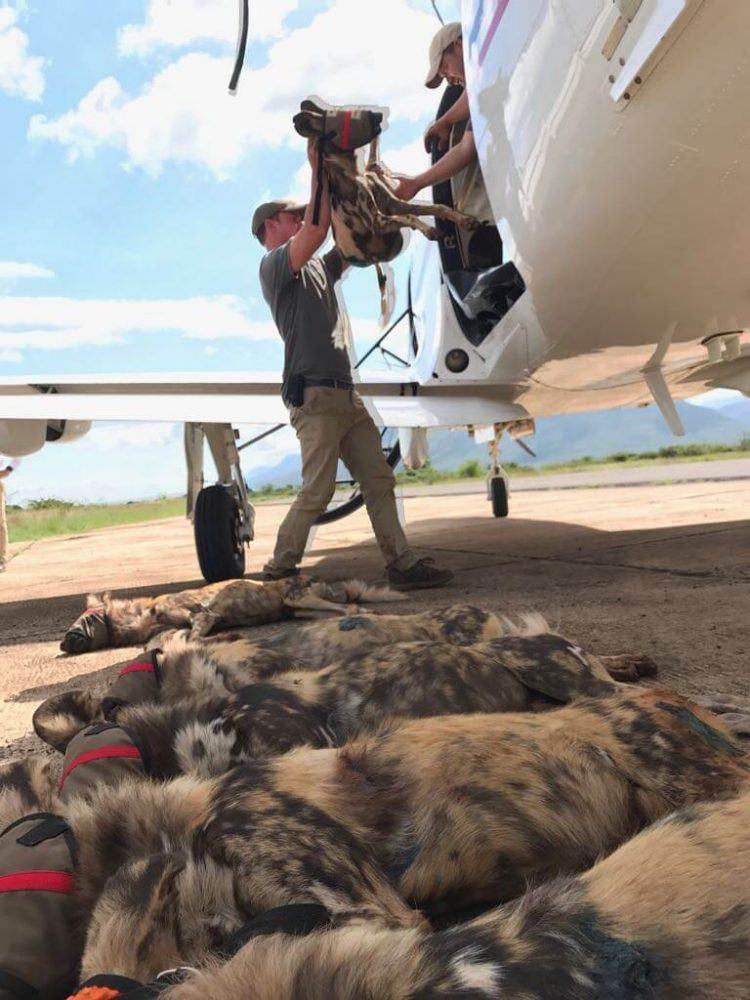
(629,667)
(412,222)
(311,602)
(373,156)
(390,205)
(734,711)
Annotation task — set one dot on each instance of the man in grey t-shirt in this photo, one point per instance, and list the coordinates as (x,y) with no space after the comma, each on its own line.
(329,417)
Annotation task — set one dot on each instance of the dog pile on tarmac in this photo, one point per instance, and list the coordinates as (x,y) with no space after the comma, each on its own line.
(372,807)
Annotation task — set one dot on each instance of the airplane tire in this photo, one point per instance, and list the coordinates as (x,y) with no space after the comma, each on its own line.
(354,503)
(499,495)
(221,552)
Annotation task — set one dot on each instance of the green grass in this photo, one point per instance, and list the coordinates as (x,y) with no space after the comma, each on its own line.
(52,517)
(47,518)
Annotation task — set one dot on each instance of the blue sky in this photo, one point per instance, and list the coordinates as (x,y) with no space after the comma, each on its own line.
(129,177)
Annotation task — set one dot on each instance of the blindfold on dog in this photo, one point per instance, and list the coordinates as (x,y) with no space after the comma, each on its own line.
(87,633)
(340,129)
(39,947)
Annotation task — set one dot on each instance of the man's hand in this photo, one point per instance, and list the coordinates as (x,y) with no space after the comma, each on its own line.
(439,132)
(4,473)
(408,188)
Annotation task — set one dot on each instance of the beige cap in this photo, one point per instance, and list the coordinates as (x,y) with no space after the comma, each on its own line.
(264,212)
(443,40)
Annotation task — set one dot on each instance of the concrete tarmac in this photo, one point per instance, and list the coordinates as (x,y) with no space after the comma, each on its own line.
(662,569)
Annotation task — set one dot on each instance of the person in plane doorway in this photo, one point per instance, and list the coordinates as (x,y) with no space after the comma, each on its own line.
(329,417)
(460,164)
(7,466)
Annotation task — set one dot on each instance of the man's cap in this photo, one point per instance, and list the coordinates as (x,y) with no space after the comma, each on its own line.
(443,40)
(268,208)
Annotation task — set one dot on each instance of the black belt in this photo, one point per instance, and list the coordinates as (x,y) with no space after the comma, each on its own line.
(329,383)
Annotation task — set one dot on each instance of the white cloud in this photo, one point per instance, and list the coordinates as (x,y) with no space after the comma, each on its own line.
(409,159)
(21,74)
(180,23)
(13,270)
(107,437)
(183,114)
(55,323)
(10,357)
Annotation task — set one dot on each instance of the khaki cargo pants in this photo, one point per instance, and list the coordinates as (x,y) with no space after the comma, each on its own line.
(3,526)
(333,424)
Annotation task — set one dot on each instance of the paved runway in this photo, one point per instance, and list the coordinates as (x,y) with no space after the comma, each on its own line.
(662,569)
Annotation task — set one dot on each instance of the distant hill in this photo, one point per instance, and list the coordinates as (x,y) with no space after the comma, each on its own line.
(561,438)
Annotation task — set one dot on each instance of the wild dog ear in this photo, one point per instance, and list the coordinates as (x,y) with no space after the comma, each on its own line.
(95,601)
(61,717)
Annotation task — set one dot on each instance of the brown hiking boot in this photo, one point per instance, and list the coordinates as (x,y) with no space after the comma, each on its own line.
(421,576)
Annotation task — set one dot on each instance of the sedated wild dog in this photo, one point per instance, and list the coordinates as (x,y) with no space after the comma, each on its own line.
(666,917)
(111,621)
(373,677)
(441,812)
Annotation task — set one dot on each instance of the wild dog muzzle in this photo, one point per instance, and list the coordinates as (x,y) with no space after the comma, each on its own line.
(103,754)
(39,946)
(137,680)
(88,632)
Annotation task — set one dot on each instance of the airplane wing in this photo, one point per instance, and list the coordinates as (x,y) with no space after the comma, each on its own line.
(238,397)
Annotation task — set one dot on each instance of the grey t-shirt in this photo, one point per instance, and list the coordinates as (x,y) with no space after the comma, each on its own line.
(306,313)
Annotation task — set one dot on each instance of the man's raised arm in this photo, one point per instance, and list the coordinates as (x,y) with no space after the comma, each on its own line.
(304,244)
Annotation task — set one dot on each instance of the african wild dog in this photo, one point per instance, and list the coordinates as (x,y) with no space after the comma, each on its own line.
(131,622)
(666,917)
(366,216)
(361,649)
(207,735)
(441,812)
(199,730)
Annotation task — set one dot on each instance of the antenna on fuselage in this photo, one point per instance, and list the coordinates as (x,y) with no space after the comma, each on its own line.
(241,46)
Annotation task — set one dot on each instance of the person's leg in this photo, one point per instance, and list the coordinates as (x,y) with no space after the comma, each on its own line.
(318,427)
(362,453)
(3,528)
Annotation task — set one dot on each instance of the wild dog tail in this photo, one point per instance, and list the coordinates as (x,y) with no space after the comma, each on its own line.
(61,717)
(528,624)
(387,285)
(357,591)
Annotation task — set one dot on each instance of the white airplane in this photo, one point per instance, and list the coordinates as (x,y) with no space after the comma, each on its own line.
(614,143)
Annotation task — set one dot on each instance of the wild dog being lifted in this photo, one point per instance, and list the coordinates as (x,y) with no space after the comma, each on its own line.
(366,216)
(666,917)
(131,622)
(441,812)
(207,703)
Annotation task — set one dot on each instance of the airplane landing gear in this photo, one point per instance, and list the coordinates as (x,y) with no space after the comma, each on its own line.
(498,483)
(223,517)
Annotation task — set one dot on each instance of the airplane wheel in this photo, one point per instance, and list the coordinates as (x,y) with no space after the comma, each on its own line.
(221,552)
(499,496)
(355,501)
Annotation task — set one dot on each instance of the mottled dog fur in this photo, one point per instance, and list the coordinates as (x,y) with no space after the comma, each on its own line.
(666,917)
(371,675)
(229,604)
(440,812)
(207,735)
